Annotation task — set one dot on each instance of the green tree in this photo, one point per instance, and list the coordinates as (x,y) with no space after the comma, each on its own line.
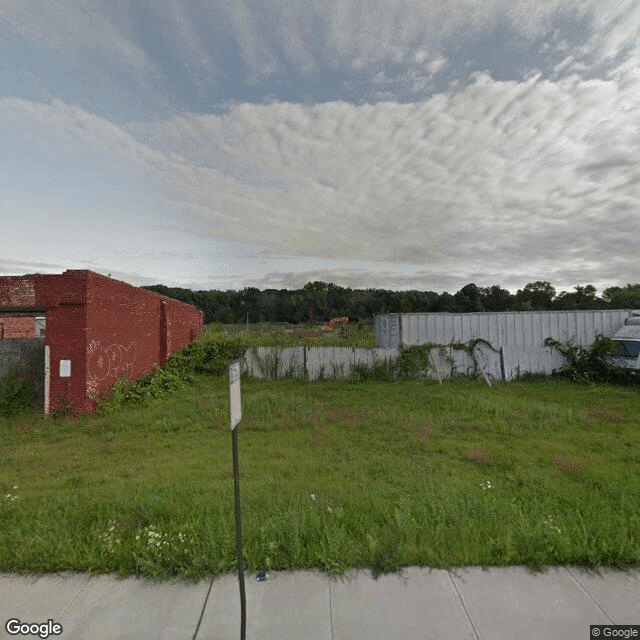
(468,299)
(446,302)
(496,298)
(627,297)
(582,298)
(536,296)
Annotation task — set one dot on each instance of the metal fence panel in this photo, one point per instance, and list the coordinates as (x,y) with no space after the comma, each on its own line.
(329,362)
(387,330)
(517,339)
(291,364)
(518,332)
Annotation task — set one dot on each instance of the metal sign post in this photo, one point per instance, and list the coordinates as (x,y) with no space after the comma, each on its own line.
(236,416)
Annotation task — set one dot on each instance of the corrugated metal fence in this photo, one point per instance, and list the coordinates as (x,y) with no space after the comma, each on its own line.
(516,338)
(512,344)
(317,363)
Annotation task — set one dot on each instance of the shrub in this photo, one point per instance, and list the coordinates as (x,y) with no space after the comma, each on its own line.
(590,364)
(209,356)
(416,361)
(212,355)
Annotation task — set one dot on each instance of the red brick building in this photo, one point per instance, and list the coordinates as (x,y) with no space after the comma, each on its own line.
(95,330)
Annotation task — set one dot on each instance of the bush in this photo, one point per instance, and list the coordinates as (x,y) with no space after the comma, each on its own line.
(209,356)
(590,364)
(17,392)
(415,361)
(212,355)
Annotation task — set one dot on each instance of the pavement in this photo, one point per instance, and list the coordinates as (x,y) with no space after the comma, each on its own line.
(474,603)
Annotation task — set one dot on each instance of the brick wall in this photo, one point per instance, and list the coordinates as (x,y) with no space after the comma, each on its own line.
(18,291)
(17,327)
(66,338)
(130,331)
(97,329)
(183,324)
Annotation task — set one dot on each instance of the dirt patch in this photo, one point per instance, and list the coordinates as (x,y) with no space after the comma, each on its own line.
(345,416)
(250,422)
(424,434)
(469,425)
(132,472)
(606,414)
(227,473)
(289,423)
(514,418)
(131,521)
(480,458)
(174,508)
(570,465)
(338,412)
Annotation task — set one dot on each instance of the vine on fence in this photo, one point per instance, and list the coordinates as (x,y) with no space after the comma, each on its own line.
(591,364)
(381,369)
(267,365)
(212,356)
(416,361)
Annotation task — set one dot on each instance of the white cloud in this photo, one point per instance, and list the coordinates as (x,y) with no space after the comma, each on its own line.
(516,172)
(520,173)
(490,179)
(305,36)
(437,64)
(614,33)
(71,26)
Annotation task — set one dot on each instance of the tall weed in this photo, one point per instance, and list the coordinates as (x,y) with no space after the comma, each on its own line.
(210,356)
(17,392)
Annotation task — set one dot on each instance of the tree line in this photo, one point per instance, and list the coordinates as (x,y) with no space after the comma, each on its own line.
(319,301)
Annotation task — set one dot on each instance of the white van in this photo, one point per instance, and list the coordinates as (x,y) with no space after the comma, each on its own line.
(627,341)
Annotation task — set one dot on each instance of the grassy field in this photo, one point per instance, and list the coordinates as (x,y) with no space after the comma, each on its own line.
(335,475)
(282,335)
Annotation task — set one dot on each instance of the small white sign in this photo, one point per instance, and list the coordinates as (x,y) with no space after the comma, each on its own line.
(65,368)
(234,394)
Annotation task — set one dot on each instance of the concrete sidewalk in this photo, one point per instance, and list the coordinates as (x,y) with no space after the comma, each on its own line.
(495,604)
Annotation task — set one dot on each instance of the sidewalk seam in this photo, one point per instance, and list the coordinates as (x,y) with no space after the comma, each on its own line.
(204,606)
(473,626)
(592,598)
(74,597)
(330,609)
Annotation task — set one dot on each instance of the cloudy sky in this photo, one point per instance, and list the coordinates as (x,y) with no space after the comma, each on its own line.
(403,144)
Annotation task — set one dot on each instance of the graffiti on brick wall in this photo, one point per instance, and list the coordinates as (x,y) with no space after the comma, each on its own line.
(108,362)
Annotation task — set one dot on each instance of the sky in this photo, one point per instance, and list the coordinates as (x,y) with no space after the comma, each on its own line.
(397,144)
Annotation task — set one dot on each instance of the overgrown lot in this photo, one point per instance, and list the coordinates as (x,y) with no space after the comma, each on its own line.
(335,475)
(356,334)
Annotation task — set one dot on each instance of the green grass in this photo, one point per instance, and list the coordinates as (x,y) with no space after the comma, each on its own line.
(335,475)
(279,335)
